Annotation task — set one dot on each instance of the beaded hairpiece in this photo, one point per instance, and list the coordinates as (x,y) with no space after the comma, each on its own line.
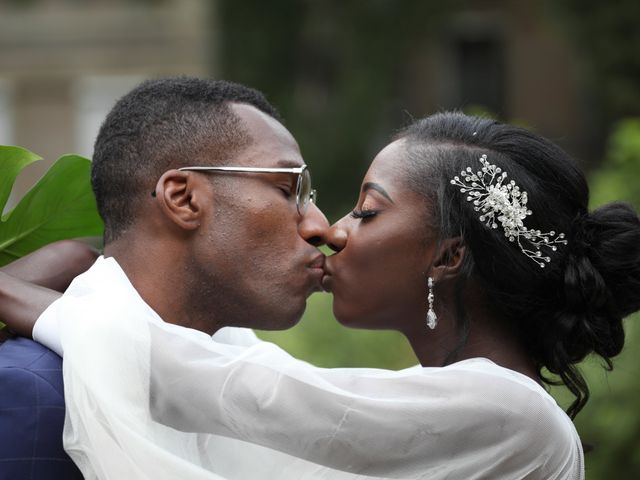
(500,201)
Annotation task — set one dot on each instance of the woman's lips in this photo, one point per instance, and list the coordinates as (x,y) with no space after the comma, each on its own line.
(327,278)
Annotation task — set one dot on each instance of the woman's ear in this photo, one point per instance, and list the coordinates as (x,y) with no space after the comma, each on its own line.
(448,258)
(179,198)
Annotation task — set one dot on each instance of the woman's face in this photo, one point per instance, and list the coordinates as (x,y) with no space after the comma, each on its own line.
(383,251)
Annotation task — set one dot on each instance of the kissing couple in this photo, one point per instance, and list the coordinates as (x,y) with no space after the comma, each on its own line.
(471,237)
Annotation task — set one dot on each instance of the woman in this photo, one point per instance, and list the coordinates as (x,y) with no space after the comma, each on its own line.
(490,281)
(527,304)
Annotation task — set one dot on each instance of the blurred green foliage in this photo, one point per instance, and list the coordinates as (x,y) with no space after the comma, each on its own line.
(611,420)
(60,205)
(608,37)
(619,176)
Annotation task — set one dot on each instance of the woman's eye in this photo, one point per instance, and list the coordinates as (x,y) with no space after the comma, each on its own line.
(363,214)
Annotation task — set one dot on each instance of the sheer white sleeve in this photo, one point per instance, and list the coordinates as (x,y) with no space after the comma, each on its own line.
(147,399)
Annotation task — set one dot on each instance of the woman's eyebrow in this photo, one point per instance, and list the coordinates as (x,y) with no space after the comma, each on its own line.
(378,188)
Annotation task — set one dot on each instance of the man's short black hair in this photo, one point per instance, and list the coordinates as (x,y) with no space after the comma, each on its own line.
(162,124)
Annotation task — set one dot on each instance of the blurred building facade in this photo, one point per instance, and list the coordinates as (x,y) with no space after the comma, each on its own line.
(63,63)
(511,58)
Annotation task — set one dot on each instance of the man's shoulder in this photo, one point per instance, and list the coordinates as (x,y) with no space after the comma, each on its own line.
(30,371)
(22,352)
(32,413)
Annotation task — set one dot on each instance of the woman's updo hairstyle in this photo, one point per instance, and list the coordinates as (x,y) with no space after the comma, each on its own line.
(573,306)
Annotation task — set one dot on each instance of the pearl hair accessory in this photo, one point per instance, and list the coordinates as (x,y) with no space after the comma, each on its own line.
(500,201)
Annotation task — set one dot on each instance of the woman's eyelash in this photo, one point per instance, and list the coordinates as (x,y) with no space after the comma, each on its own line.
(363,213)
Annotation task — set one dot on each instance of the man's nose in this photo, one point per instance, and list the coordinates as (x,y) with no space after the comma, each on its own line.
(313,226)
(336,235)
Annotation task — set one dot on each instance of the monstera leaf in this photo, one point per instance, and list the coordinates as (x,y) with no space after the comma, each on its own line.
(60,206)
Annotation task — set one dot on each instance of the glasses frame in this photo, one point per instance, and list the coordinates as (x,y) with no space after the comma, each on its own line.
(302,208)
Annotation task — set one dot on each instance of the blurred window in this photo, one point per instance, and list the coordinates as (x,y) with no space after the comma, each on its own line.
(6,113)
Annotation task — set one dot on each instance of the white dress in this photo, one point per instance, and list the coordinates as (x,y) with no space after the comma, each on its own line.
(147,399)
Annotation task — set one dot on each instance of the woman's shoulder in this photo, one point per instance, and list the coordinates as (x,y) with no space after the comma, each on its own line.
(505,392)
(486,372)
(522,412)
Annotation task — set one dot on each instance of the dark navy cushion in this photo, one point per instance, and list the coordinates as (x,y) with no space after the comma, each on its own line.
(32,413)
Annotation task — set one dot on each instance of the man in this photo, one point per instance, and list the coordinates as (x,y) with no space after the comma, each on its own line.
(243,241)
(203,248)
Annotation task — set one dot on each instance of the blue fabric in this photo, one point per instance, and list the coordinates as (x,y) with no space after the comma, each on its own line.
(32,413)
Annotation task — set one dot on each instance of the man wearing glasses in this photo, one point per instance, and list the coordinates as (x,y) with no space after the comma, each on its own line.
(228,236)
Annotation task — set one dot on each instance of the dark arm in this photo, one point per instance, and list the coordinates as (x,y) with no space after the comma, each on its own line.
(54,265)
(21,303)
(29,285)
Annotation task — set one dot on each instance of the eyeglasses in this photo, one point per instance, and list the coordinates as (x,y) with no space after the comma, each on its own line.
(304,193)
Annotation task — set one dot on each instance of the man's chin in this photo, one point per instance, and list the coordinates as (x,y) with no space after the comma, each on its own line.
(279,318)
(279,325)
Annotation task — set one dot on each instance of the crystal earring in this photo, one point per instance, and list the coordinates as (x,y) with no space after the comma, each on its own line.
(432,319)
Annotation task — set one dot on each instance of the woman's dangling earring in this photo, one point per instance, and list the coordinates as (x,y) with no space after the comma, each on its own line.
(432,319)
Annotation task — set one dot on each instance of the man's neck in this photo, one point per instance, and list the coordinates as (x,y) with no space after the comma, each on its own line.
(161,282)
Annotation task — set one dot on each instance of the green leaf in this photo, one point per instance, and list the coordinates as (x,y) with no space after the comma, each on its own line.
(12,161)
(61,205)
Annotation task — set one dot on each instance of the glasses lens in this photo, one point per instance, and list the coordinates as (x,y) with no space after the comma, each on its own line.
(304,190)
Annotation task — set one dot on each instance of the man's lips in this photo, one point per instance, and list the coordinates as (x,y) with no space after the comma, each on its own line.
(316,269)
(318,262)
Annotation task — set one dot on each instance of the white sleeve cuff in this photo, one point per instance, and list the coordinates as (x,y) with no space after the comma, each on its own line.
(47,329)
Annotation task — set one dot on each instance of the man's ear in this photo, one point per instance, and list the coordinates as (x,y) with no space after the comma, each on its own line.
(179,198)
(448,258)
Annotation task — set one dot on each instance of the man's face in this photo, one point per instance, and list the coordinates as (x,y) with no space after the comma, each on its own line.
(255,257)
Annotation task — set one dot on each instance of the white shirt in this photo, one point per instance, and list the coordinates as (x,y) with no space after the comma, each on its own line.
(147,399)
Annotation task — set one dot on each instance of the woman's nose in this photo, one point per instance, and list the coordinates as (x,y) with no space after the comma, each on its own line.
(336,235)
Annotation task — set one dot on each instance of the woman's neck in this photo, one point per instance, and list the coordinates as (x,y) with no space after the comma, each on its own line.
(446,344)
